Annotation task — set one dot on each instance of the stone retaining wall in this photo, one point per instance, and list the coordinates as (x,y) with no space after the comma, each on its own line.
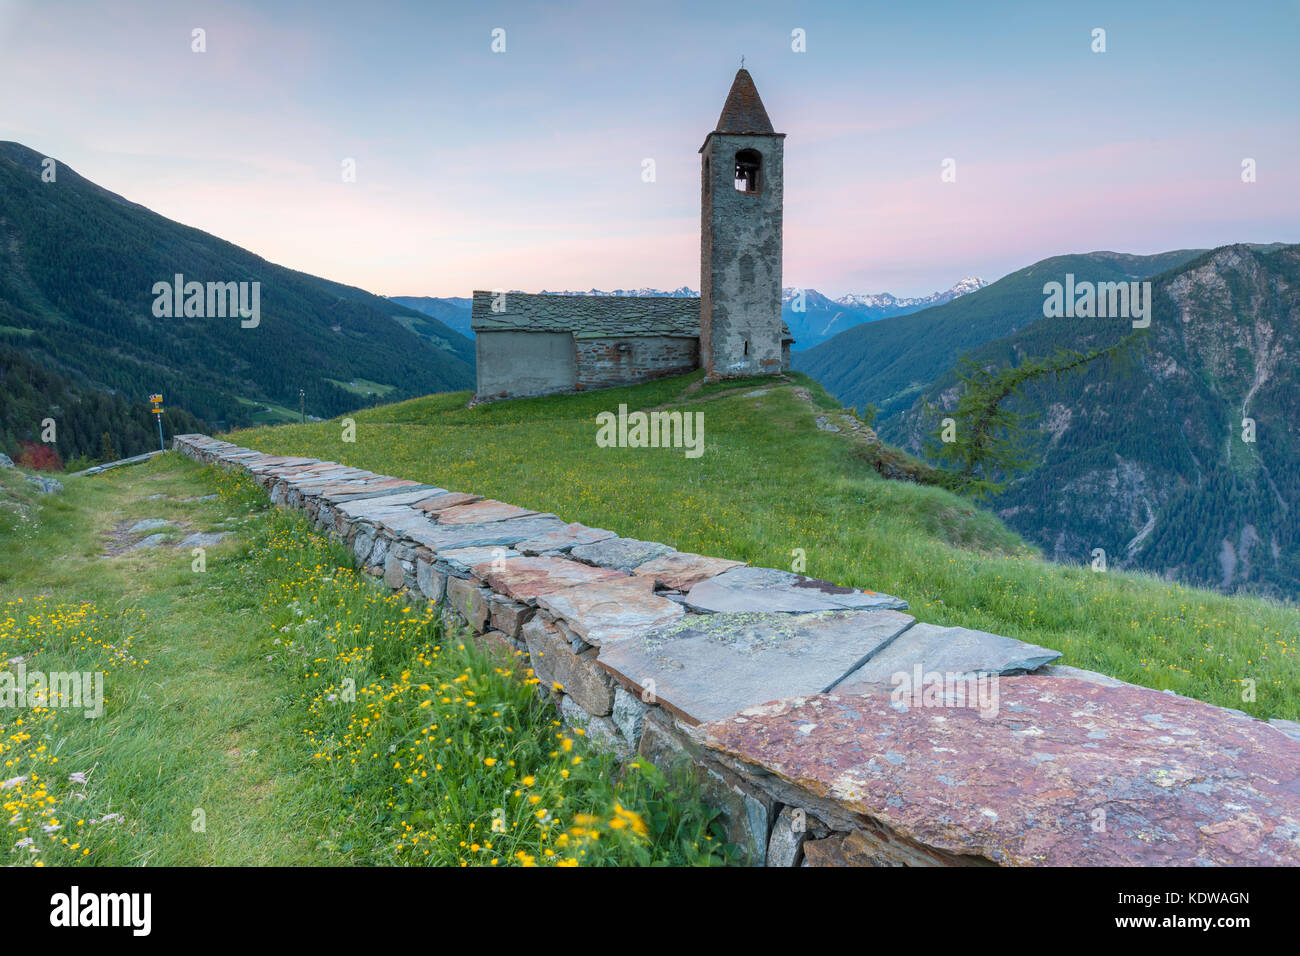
(780,694)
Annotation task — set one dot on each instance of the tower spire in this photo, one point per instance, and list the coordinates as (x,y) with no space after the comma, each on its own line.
(744,111)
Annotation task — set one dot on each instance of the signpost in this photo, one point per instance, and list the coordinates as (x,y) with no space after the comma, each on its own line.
(157,411)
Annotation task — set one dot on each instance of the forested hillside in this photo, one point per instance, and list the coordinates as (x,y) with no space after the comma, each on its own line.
(1186,460)
(89,423)
(78,265)
(453,313)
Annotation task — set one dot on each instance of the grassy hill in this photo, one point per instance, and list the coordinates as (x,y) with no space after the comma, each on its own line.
(78,266)
(771,485)
(889,361)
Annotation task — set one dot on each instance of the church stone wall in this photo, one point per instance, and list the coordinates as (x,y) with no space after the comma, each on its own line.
(608,362)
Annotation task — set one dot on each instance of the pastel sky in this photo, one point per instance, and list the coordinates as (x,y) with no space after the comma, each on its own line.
(523,169)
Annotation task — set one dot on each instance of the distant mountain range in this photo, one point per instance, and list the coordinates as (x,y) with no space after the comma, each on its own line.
(817,318)
(886,301)
(79,267)
(888,362)
(1152,461)
(812,318)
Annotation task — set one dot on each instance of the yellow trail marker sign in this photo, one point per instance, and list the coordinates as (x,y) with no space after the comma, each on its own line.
(157,410)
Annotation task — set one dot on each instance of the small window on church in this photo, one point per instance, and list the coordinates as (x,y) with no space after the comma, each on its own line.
(749,164)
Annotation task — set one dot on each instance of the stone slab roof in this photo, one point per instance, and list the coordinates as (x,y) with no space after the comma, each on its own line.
(744,112)
(588,315)
(592,316)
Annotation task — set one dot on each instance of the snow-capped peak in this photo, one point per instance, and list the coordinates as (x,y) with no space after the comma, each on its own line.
(884,300)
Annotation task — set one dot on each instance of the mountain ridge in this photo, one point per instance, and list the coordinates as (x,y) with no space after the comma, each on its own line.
(887,362)
(1184,461)
(78,267)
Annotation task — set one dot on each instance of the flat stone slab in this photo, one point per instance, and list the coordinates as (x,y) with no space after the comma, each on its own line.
(404,499)
(705,667)
(768,589)
(681,570)
(449,499)
(610,610)
(1065,670)
(7,462)
(149,524)
(526,579)
(321,475)
(153,541)
(621,554)
(398,521)
(506,533)
(1067,772)
(1288,727)
(948,650)
(203,539)
(269,464)
(481,511)
(372,489)
(276,461)
(378,510)
(343,489)
(461,561)
(564,539)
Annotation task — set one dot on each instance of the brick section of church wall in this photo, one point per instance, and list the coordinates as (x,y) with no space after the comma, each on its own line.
(604,363)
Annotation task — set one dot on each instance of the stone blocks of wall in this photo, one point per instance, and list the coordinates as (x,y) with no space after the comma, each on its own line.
(769,689)
(609,362)
(740,259)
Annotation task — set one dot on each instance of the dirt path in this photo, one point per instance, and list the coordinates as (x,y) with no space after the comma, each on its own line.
(196,748)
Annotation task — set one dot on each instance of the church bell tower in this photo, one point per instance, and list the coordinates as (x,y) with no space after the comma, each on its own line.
(742,166)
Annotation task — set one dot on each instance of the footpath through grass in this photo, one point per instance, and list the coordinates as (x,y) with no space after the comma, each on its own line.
(276,707)
(774,490)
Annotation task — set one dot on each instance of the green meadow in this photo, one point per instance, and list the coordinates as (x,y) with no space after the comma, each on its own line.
(266,704)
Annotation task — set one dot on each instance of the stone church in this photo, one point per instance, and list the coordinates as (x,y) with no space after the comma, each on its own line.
(543,344)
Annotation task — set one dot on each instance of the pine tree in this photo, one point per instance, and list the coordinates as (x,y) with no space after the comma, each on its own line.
(987,440)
